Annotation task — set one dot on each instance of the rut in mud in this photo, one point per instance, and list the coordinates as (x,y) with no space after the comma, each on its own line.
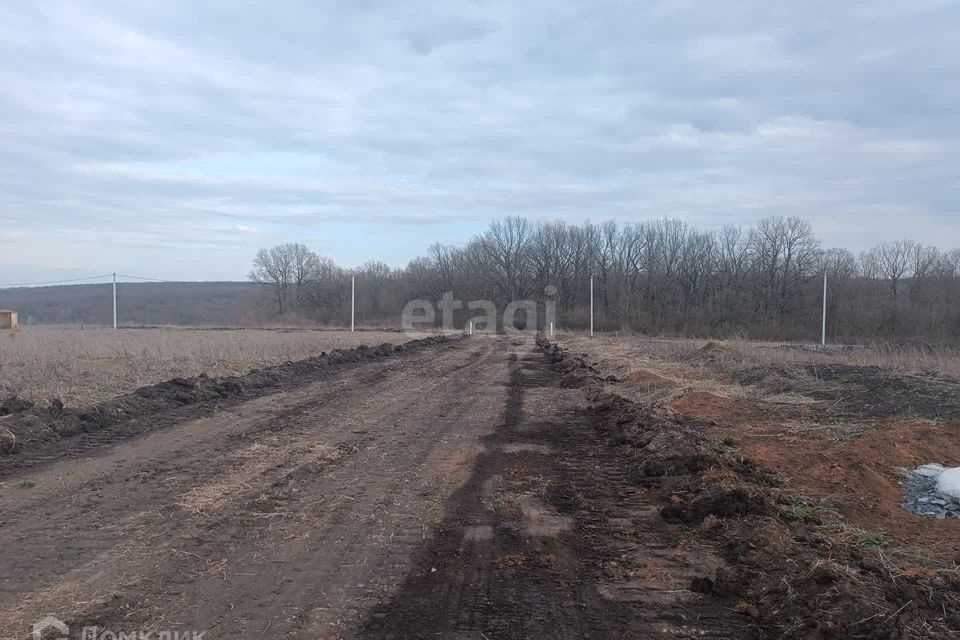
(551,538)
(458,491)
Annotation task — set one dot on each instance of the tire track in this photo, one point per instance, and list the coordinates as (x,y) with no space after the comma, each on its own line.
(164,559)
(530,546)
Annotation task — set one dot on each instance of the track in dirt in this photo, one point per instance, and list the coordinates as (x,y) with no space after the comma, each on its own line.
(544,539)
(454,492)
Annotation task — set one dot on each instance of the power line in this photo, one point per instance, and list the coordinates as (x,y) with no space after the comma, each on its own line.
(40,284)
(123,275)
(73,280)
(113,276)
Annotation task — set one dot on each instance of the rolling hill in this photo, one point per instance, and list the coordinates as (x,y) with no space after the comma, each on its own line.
(151,303)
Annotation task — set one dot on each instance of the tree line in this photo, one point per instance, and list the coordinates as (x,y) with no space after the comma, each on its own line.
(658,277)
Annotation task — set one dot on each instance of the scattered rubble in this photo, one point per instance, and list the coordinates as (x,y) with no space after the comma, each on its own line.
(932,490)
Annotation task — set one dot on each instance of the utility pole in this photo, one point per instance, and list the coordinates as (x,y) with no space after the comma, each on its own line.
(353,302)
(591,305)
(114,300)
(823,330)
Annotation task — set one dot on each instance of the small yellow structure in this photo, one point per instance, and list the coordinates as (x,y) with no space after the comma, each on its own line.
(8,319)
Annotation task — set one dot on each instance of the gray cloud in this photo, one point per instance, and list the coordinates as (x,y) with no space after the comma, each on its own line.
(170,131)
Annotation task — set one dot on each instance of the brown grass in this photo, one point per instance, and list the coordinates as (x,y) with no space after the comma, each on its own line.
(83,366)
(745,354)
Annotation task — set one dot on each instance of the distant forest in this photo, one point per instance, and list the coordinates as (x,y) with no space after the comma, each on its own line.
(660,277)
(141,303)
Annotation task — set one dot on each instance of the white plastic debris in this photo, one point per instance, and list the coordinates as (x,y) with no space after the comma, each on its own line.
(948,482)
(929,470)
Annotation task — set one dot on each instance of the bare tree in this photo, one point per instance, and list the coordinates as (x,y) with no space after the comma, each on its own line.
(304,270)
(785,251)
(273,268)
(506,244)
(892,260)
(374,274)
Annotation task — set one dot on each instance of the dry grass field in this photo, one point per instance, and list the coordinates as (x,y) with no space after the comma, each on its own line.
(84,366)
(749,353)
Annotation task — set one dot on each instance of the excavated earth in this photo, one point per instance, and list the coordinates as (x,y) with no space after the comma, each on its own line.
(36,429)
(796,473)
(453,490)
(481,488)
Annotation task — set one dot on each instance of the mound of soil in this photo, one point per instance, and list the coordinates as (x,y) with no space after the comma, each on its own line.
(712,353)
(646,380)
(723,503)
(704,404)
(14,404)
(575,370)
(862,477)
(791,568)
(28,425)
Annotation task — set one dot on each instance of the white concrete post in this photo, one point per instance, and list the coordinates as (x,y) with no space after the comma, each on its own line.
(591,305)
(823,330)
(114,300)
(353,302)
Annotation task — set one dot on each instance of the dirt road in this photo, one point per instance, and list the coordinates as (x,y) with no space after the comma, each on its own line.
(452,492)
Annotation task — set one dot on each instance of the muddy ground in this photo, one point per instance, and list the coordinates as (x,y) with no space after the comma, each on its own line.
(456,491)
(795,471)
(481,488)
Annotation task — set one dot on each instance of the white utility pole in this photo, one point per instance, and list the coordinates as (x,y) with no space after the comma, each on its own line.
(823,331)
(114,301)
(591,305)
(551,329)
(353,302)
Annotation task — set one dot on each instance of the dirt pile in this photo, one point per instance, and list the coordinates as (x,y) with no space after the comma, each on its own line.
(26,425)
(792,567)
(14,404)
(576,371)
(713,353)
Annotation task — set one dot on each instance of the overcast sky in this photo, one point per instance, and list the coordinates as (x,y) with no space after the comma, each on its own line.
(171,140)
